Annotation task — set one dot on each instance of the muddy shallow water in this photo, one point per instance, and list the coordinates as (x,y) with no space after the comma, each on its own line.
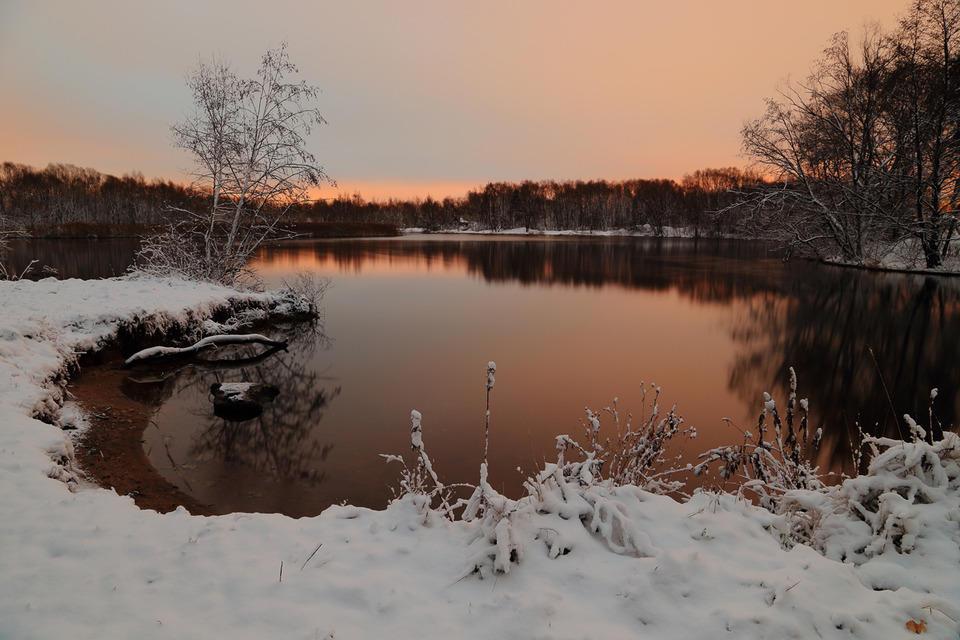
(411,322)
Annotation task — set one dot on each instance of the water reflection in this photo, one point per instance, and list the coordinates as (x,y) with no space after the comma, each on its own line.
(570,322)
(200,450)
(708,270)
(869,346)
(827,326)
(71,258)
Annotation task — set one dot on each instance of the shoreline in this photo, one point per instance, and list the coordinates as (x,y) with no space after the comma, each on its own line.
(109,449)
(348,232)
(882,269)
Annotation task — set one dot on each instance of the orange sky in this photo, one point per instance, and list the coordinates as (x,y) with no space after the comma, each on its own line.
(421,97)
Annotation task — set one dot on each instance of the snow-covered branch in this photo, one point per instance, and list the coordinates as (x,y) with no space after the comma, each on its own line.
(210,342)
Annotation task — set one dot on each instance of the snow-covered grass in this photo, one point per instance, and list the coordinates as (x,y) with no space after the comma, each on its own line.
(90,564)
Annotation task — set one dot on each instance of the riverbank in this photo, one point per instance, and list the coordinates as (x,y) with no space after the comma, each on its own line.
(644,231)
(87,563)
(947,271)
(109,445)
(905,256)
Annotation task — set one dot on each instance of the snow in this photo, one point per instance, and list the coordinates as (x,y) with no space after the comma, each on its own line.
(87,563)
(205,343)
(238,389)
(644,231)
(905,255)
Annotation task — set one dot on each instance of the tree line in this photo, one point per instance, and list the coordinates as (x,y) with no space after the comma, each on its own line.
(864,156)
(64,195)
(576,205)
(859,163)
(60,194)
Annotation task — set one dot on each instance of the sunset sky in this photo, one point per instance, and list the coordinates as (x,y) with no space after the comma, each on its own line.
(421,97)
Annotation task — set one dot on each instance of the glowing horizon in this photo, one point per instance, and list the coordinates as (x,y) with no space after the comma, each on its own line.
(423,98)
(399,189)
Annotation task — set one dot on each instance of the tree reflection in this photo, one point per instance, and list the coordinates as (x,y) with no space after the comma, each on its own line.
(280,441)
(823,321)
(826,330)
(708,270)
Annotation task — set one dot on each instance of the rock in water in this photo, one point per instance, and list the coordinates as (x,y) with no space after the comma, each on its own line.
(239,401)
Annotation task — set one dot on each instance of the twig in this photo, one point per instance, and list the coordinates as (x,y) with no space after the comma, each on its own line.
(886,391)
(311,556)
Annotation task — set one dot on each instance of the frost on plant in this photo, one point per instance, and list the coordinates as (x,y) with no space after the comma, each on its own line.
(581,494)
(418,479)
(906,499)
(771,462)
(905,502)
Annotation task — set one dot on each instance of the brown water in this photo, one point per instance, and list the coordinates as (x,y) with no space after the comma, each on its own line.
(411,322)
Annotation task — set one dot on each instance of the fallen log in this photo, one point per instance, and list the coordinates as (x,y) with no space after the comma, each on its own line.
(155,353)
(157,376)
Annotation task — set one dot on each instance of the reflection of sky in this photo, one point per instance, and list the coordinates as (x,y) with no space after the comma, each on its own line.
(407,337)
(423,96)
(413,322)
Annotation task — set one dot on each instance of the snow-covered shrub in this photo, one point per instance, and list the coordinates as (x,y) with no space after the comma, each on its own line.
(907,497)
(633,454)
(901,477)
(910,491)
(418,479)
(769,464)
(299,301)
(580,495)
(303,294)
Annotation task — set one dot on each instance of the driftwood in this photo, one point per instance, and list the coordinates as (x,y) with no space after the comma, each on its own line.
(156,353)
(157,375)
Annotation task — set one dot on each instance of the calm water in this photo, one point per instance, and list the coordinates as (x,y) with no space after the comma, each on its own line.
(411,323)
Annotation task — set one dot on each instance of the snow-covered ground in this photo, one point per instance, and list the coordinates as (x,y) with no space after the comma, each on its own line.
(88,563)
(905,255)
(645,231)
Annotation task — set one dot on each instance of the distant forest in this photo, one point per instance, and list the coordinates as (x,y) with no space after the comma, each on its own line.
(64,197)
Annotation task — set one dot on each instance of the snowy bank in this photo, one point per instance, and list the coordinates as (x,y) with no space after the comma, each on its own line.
(90,564)
(644,231)
(901,256)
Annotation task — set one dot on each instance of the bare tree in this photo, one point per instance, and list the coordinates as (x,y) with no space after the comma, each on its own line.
(927,108)
(832,154)
(248,139)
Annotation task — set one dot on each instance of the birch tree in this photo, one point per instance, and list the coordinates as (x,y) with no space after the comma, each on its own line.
(248,139)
